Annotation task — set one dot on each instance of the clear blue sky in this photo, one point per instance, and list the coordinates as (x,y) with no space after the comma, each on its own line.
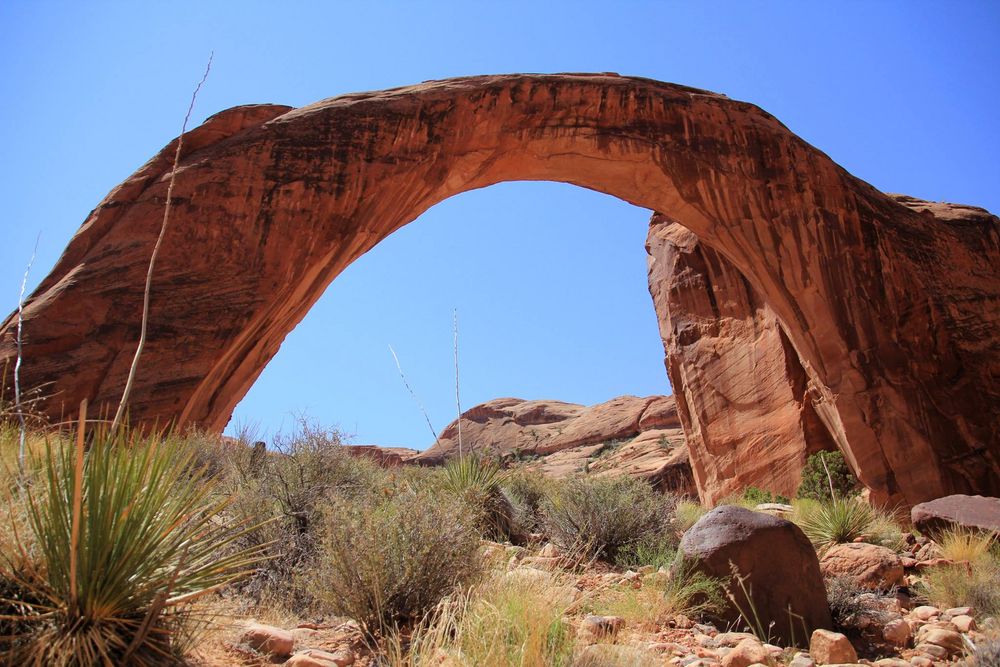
(549,280)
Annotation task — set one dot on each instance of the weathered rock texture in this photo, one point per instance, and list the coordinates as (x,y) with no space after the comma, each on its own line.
(957,511)
(743,396)
(777,564)
(627,435)
(894,309)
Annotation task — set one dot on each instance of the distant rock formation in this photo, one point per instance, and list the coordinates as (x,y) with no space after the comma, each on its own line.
(627,435)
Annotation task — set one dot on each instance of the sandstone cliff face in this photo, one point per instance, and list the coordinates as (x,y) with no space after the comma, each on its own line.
(627,435)
(742,393)
(894,309)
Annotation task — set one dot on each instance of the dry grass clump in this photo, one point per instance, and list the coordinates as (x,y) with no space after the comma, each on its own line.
(684,591)
(507,620)
(854,607)
(972,580)
(687,514)
(387,563)
(602,517)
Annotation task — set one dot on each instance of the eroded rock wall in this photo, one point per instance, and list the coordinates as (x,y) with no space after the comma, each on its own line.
(742,394)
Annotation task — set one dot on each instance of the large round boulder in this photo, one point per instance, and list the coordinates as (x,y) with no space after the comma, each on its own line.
(781,580)
(957,511)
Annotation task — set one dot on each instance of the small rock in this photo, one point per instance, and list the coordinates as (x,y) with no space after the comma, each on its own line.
(964,623)
(732,638)
(933,651)
(897,632)
(949,640)
(705,640)
(601,626)
(802,660)
(683,622)
(268,639)
(959,611)
(892,662)
(549,551)
(316,658)
(925,612)
(541,562)
(828,648)
(921,661)
(777,508)
(907,563)
(746,653)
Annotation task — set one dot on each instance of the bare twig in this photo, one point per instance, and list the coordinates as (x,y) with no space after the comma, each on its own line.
(458,398)
(829,478)
(20,356)
(156,249)
(414,395)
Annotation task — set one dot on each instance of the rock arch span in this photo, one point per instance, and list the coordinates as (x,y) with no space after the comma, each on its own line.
(893,313)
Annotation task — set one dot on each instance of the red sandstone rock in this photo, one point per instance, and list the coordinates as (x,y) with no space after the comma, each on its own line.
(893,305)
(778,564)
(957,511)
(869,565)
(626,435)
(743,394)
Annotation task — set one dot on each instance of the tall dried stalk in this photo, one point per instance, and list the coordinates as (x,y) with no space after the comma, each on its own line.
(458,397)
(17,363)
(156,250)
(414,395)
(74,539)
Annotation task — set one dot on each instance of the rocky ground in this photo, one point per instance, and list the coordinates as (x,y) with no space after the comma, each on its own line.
(890,623)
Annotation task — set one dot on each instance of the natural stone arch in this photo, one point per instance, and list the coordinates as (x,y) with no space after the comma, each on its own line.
(271,203)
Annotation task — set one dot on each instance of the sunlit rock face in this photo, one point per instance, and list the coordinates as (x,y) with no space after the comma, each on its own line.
(742,394)
(892,306)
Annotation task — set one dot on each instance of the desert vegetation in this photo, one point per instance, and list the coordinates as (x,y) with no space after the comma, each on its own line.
(122,548)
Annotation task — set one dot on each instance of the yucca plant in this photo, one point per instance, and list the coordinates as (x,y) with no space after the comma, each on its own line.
(124,537)
(480,483)
(837,521)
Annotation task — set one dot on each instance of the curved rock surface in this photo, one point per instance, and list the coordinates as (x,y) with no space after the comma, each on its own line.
(894,309)
(743,395)
(627,435)
(957,512)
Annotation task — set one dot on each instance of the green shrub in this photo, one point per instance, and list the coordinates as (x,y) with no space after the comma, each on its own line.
(816,481)
(601,516)
(149,541)
(753,496)
(656,551)
(836,521)
(527,490)
(387,564)
(292,487)
(479,483)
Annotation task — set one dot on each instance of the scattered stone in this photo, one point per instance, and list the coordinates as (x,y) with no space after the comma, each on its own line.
(746,653)
(957,511)
(601,626)
(964,623)
(802,660)
(932,651)
(949,640)
(829,648)
(958,611)
(897,632)
(317,658)
(892,662)
(921,661)
(871,566)
(731,639)
(778,564)
(268,639)
(908,563)
(925,613)
(549,551)
(541,562)
(778,508)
